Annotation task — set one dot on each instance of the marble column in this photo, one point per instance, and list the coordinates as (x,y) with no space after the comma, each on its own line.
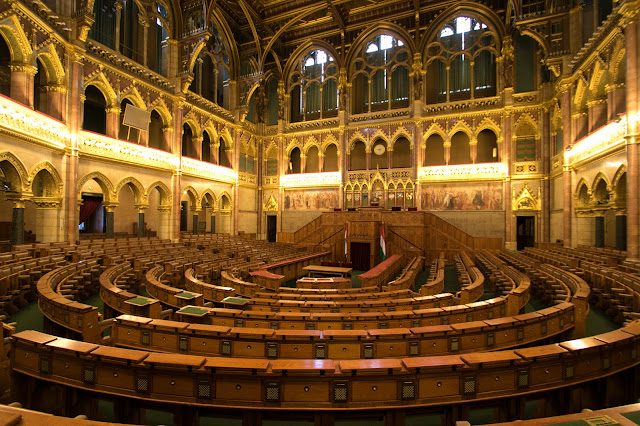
(113,122)
(22,80)
(110,219)
(47,219)
(195,229)
(56,101)
(74,114)
(546,190)
(17,223)
(566,142)
(141,223)
(164,222)
(473,149)
(632,137)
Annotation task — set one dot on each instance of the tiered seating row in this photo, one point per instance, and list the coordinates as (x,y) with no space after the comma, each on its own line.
(383,272)
(57,307)
(408,276)
(322,384)
(435,282)
(470,278)
(215,340)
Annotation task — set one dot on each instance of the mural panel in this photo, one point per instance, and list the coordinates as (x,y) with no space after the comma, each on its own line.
(311,199)
(476,196)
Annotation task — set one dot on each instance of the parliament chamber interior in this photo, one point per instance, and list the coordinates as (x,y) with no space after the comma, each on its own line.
(319,212)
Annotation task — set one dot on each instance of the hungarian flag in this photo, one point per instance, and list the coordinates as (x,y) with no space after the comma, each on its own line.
(383,243)
(345,242)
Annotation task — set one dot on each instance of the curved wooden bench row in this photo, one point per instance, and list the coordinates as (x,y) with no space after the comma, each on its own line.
(390,318)
(240,287)
(366,293)
(322,384)
(612,288)
(383,272)
(472,282)
(565,285)
(74,316)
(18,280)
(209,292)
(123,301)
(211,340)
(168,295)
(435,282)
(499,273)
(370,303)
(408,276)
(291,268)
(322,283)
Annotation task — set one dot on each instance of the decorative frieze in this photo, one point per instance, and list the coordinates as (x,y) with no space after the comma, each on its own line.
(485,171)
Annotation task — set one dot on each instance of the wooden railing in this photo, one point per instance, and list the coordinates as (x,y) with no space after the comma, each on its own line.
(322,384)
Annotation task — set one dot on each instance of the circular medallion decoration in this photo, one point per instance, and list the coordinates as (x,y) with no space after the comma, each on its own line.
(379,149)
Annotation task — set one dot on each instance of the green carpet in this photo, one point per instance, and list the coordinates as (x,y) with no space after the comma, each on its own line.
(451,284)
(28,318)
(634,416)
(598,322)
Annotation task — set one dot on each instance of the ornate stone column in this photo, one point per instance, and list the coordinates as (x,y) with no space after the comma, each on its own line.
(48,212)
(167,138)
(164,222)
(303,163)
(368,157)
(566,142)
(195,211)
(141,223)
(473,149)
(110,218)
(113,121)
(321,161)
(447,149)
(509,240)
(56,97)
(342,165)
(145,43)
(118,20)
(546,190)
(74,116)
(17,222)
(22,80)
(630,23)
(197,144)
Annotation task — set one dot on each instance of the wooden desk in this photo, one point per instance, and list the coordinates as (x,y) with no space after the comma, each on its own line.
(327,271)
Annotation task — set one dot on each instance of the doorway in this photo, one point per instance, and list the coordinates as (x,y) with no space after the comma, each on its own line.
(360,256)
(525,236)
(184,206)
(272,227)
(599,231)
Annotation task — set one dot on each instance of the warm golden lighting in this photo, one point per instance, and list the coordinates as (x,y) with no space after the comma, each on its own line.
(605,138)
(463,172)
(298,180)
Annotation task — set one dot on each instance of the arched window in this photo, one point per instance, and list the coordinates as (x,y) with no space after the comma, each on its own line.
(187,141)
(401,153)
(381,75)
(313,87)
(223,155)
(331,159)
(434,151)
(294,161)
(358,156)
(39,88)
(5,72)
(487,147)
(312,162)
(95,115)
(460,152)
(461,61)
(206,147)
(156,134)
(211,72)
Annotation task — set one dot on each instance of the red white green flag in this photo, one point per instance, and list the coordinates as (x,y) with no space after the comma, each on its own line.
(345,242)
(383,243)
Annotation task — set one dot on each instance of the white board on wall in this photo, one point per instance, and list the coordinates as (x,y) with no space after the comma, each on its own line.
(136,117)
